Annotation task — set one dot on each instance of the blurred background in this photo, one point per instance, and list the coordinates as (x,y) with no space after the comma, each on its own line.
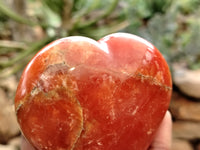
(173,26)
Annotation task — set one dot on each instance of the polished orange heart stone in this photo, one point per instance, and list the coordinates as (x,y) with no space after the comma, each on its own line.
(79,94)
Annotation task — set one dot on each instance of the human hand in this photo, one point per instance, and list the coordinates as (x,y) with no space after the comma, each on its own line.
(25,145)
(162,140)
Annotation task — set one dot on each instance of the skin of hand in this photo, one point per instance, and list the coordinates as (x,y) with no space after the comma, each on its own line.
(25,145)
(162,140)
(163,137)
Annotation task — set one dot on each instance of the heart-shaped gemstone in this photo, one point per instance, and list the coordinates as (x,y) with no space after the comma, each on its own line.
(79,94)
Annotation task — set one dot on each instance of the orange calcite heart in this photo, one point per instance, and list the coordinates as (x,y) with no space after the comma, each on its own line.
(79,94)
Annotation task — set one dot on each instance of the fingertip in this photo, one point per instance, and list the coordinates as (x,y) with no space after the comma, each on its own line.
(25,145)
(163,137)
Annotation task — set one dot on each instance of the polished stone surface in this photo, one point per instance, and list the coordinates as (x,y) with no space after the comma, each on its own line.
(77,94)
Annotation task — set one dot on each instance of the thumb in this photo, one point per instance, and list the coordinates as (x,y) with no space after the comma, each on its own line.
(162,140)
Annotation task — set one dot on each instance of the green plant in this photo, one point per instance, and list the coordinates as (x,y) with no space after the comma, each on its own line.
(61,18)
